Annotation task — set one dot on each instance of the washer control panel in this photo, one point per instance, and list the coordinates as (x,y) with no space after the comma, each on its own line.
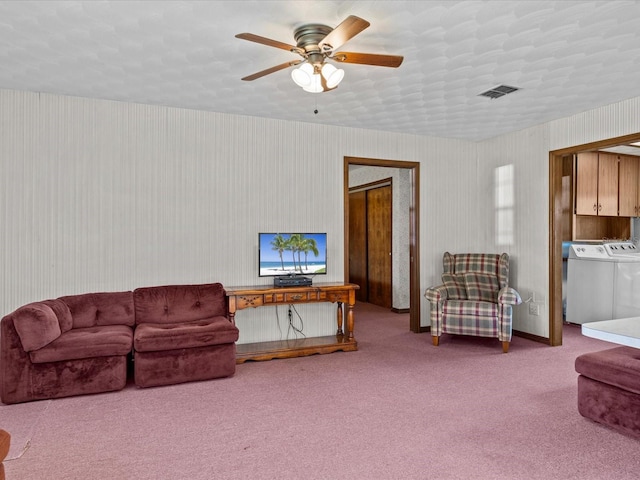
(622,248)
(588,251)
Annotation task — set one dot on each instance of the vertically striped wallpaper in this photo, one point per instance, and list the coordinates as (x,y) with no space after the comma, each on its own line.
(103,196)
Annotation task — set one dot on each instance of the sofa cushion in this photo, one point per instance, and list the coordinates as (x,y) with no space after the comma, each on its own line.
(79,343)
(153,337)
(63,313)
(455,285)
(37,325)
(95,309)
(179,303)
(619,366)
(481,287)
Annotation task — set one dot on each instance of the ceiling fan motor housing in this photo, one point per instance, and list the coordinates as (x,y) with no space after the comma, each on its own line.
(308,38)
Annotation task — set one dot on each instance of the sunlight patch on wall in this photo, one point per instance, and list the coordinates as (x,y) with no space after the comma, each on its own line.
(504,204)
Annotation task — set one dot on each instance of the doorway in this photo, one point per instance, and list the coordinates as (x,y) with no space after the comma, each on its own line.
(557,222)
(413,170)
(370,233)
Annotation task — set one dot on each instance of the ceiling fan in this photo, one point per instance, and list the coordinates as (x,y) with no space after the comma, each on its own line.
(316,43)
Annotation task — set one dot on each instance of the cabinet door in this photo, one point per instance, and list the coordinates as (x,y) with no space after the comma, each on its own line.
(608,184)
(587,184)
(628,191)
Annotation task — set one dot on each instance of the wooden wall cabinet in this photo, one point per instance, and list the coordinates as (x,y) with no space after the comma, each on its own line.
(629,190)
(606,193)
(597,184)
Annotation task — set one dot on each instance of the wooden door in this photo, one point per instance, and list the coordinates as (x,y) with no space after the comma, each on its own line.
(586,180)
(370,244)
(608,184)
(628,192)
(379,245)
(358,243)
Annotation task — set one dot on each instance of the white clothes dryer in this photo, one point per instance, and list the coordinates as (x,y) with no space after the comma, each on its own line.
(603,282)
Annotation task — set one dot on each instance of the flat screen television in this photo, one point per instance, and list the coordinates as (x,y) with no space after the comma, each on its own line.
(282,254)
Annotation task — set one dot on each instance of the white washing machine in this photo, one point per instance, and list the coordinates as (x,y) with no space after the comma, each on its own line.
(603,282)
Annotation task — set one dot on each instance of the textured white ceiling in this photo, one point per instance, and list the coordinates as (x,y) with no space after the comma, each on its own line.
(566,56)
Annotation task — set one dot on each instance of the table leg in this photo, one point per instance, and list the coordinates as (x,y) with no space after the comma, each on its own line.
(339,319)
(350,321)
(232,309)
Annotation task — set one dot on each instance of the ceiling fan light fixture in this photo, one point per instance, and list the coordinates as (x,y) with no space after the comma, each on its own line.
(332,75)
(316,78)
(303,76)
(316,84)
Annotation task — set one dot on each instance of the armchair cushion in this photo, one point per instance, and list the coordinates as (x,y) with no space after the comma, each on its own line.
(37,326)
(481,287)
(455,285)
(461,309)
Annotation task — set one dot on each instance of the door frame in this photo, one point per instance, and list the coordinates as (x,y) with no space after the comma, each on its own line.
(555,227)
(414,228)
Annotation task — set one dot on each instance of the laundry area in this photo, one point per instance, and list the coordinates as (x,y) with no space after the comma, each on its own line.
(601,234)
(602,281)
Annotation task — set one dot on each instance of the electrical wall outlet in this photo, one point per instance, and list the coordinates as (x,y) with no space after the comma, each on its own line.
(534,309)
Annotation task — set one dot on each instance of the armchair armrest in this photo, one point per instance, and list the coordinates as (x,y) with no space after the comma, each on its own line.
(436,294)
(509,296)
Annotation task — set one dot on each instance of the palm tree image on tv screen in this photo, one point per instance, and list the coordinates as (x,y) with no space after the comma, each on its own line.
(292,254)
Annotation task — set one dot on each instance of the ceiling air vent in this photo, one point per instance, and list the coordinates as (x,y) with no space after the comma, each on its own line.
(499,91)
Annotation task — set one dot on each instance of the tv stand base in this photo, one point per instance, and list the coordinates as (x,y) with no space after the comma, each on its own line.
(298,347)
(340,293)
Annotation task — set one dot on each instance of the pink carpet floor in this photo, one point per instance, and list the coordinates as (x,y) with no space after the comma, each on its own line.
(398,408)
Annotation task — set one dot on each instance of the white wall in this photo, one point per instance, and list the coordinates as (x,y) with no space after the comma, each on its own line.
(528,152)
(102,196)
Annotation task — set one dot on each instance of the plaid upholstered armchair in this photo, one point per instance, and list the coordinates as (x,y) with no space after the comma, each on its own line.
(474,299)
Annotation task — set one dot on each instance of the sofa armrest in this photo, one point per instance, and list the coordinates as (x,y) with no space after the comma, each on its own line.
(509,296)
(37,325)
(436,294)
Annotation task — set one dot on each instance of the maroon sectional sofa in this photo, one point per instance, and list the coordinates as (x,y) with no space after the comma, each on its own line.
(85,344)
(182,333)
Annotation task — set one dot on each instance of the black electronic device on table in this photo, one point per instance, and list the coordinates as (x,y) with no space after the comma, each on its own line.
(292,281)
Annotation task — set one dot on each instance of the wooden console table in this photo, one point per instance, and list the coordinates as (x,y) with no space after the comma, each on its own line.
(260,296)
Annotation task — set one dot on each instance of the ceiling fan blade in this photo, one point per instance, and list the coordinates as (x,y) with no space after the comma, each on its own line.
(340,35)
(272,70)
(393,61)
(266,41)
